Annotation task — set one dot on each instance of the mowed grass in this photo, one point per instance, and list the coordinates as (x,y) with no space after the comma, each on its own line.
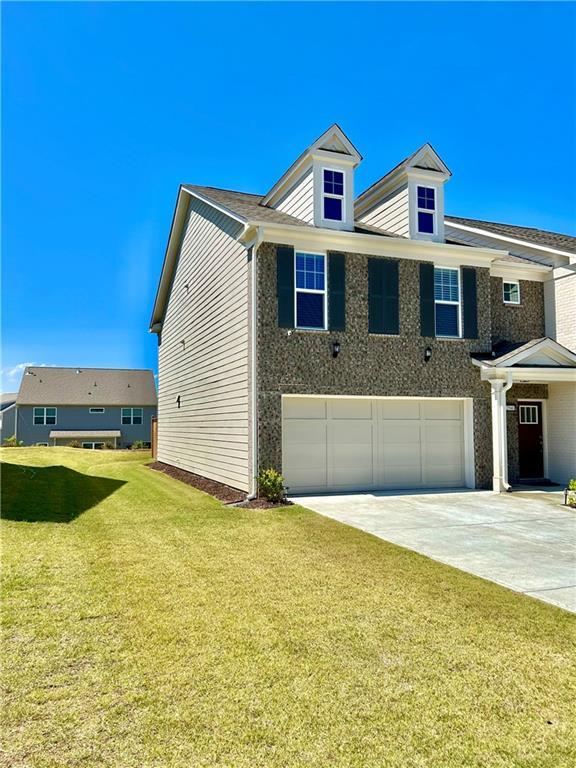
(146,624)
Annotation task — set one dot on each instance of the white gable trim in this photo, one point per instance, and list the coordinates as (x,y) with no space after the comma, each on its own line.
(512,270)
(545,348)
(288,178)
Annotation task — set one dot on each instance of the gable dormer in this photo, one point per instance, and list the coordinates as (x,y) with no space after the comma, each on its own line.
(409,200)
(319,187)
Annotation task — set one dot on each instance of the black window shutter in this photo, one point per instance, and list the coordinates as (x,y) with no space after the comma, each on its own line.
(336,291)
(470,303)
(427,320)
(375,296)
(285,285)
(383,307)
(390,292)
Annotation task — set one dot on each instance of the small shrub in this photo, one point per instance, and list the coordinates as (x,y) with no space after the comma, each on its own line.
(75,444)
(572,484)
(271,485)
(12,442)
(138,445)
(109,446)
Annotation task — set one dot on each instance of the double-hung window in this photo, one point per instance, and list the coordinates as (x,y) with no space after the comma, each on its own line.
(44,416)
(447,301)
(333,195)
(310,293)
(131,415)
(511,291)
(426,202)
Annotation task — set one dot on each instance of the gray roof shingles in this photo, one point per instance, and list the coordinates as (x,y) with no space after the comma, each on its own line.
(87,386)
(249,207)
(528,234)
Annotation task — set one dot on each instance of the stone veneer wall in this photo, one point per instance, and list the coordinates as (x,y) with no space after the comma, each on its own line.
(515,393)
(517,322)
(301,362)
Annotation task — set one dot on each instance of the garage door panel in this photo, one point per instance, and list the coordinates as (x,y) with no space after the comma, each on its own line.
(399,409)
(407,454)
(346,443)
(401,477)
(441,409)
(351,409)
(302,408)
(400,433)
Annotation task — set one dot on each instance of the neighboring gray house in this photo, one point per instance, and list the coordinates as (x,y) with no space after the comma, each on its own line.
(91,406)
(363,343)
(7,412)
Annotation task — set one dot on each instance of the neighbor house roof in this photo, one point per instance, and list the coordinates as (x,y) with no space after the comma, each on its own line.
(7,398)
(528,234)
(87,386)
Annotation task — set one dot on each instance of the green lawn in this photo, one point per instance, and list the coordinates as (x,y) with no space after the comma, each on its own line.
(145,624)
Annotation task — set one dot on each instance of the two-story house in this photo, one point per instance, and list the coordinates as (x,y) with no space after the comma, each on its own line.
(363,342)
(92,407)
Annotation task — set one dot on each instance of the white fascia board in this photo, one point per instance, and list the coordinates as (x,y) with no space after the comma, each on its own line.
(317,238)
(506,239)
(428,175)
(325,156)
(511,270)
(8,408)
(527,375)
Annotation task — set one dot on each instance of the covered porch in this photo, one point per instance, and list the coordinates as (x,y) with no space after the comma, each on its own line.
(533,436)
(88,437)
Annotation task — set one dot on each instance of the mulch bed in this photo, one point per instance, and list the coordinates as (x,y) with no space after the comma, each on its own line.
(220,491)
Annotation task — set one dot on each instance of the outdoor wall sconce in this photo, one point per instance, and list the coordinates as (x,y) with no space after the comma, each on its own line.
(335,348)
(178,401)
(427,354)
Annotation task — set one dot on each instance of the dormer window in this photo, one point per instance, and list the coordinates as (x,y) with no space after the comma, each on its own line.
(426,210)
(333,194)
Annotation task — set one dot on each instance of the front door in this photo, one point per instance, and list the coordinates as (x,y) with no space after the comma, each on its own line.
(530,440)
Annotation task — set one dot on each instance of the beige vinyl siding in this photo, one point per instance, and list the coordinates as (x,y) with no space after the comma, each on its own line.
(559,302)
(561,413)
(299,201)
(208,434)
(391,214)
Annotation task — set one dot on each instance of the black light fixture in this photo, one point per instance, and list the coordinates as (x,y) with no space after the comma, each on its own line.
(178,401)
(335,348)
(427,354)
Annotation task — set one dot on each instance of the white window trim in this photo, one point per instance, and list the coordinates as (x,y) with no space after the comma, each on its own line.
(311,290)
(132,409)
(433,211)
(43,409)
(97,410)
(341,197)
(450,303)
(511,282)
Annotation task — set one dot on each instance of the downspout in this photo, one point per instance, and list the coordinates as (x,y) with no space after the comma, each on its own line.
(16,423)
(254,369)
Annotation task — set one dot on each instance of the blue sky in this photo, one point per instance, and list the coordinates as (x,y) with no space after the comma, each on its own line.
(108,107)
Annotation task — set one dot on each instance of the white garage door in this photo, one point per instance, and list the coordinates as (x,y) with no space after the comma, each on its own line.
(341,444)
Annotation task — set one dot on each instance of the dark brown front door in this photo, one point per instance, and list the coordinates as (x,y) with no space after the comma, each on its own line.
(530,440)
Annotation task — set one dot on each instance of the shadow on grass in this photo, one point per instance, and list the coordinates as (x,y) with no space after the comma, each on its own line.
(50,494)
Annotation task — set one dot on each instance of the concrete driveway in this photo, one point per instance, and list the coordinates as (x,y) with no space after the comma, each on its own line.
(522,540)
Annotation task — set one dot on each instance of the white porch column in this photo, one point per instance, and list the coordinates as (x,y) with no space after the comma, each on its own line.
(499,435)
